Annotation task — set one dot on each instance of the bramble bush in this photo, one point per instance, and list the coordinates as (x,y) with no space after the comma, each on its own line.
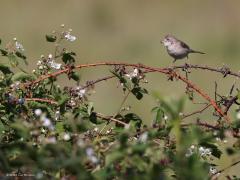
(53,132)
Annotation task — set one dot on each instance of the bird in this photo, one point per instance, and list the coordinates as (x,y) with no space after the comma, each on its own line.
(177,48)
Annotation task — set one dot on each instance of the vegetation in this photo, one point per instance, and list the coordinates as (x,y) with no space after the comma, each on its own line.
(51,132)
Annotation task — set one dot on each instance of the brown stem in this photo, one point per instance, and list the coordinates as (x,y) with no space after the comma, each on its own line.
(196,112)
(109,118)
(160,70)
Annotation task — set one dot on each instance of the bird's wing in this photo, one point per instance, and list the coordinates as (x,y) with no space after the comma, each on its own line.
(184,45)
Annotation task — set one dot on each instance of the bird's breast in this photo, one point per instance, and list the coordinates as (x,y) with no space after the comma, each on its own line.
(177,51)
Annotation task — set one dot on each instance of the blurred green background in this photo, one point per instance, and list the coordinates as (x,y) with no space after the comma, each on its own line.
(130,31)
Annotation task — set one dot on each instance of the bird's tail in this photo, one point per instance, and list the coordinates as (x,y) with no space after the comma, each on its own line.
(193,51)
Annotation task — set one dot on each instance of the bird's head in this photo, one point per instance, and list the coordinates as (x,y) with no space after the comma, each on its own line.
(168,40)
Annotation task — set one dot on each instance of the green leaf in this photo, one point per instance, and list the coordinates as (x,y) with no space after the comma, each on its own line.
(60,127)
(93,118)
(13,60)
(4,53)
(5,69)
(90,108)
(159,114)
(137,93)
(51,38)
(75,76)
(68,57)
(133,117)
(22,56)
(114,157)
(62,100)
(21,76)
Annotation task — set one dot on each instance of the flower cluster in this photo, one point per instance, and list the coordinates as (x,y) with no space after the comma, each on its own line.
(51,62)
(67,34)
(18,45)
(203,152)
(48,63)
(46,122)
(133,74)
(91,155)
(78,95)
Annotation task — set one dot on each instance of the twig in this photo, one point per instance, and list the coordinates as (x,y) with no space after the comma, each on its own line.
(214,176)
(196,112)
(109,118)
(223,70)
(97,81)
(42,100)
(122,103)
(229,103)
(206,125)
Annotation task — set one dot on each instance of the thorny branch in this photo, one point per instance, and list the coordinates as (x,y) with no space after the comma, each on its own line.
(168,71)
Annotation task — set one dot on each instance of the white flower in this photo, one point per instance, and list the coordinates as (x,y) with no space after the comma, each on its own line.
(39,63)
(204,151)
(165,117)
(91,156)
(19,46)
(52,63)
(213,170)
(238,115)
(192,147)
(95,129)
(143,137)
(133,74)
(66,137)
(70,37)
(55,65)
(190,151)
(50,56)
(15,85)
(89,151)
(81,93)
(46,122)
(57,115)
(72,102)
(38,112)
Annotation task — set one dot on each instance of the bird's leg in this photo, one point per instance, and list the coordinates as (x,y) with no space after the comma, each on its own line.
(174,60)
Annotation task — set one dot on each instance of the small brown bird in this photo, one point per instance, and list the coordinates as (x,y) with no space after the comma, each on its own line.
(176,48)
